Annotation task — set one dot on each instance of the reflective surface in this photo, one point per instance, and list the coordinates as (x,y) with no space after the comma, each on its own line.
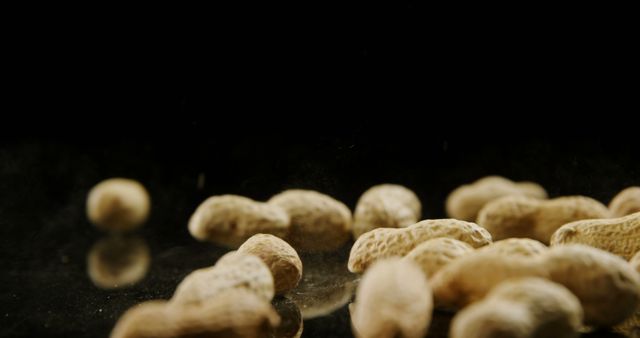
(47,243)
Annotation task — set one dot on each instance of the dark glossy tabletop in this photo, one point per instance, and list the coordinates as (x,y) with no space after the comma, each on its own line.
(45,288)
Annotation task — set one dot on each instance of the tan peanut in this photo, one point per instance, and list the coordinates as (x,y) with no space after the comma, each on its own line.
(625,202)
(234,270)
(318,221)
(118,204)
(466,201)
(516,246)
(386,206)
(620,236)
(521,308)
(436,253)
(516,216)
(229,220)
(605,284)
(116,262)
(631,326)
(279,256)
(635,261)
(392,300)
(387,242)
(232,314)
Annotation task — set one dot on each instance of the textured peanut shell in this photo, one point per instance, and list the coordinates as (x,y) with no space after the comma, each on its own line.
(232,314)
(118,204)
(116,262)
(229,220)
(625,202)
(385,242)
(469,278)
(234,270)
(516,216)
(607,286)
(283,261)
(521,308)
(620,236)
(386,206)
(465,202)
(318,221)
(517,246)
(436,253)
(392,300)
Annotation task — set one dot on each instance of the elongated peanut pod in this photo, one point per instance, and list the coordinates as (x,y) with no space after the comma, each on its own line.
(620,236)
(384,242)
(229,220)
(393,300)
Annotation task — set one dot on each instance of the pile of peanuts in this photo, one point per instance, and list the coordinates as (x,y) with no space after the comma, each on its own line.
(509,262)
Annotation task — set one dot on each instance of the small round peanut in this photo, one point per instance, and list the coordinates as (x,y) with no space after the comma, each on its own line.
(116,262)
(386,206)
(620,236)
(521,308)
(517,216)
(393,300)
(387,242)
(436,253)
(279,256)
(234,313)
(118,204)
(234,270)
(625,202)
(465,202)
(229,220)
(318,221)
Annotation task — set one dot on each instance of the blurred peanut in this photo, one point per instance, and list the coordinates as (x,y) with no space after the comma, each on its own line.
(386,206)
(465,202)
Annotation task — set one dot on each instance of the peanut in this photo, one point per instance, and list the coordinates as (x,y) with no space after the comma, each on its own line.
(118,204)
(279,256)
(516,246)
(521,308)
(229,220)
(635,261)
(318,222)
(393,300)
(232,314)
(625,202)
(631,326)
(466,201)
(117,262)
(605,284)
(620,236)
(234,270)
(516,216)
(387,242)
(436,253)
(386,206)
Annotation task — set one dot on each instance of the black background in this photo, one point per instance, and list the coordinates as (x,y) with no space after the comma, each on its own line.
(390,97)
